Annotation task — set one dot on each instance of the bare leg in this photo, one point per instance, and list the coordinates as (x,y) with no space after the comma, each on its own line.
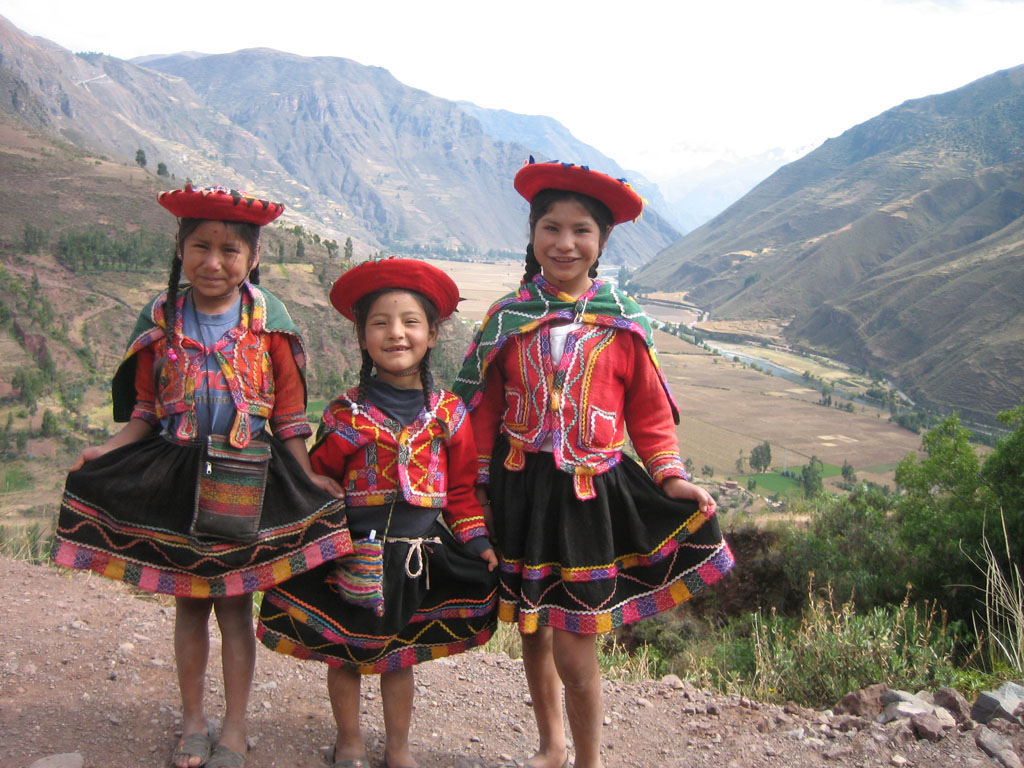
(576,661)
(546,692)
(191,651)
(396,692)
(238,657)
(343,689)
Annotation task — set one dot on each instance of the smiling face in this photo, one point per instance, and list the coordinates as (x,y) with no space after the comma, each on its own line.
(397,333)
(215,259)
(567,241)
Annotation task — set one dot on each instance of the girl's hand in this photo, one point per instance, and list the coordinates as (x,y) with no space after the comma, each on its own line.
(88,454)
(134,430)
(489,556)
(677,488)
(328,485)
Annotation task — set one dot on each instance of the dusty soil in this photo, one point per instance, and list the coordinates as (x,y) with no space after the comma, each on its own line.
(87,667)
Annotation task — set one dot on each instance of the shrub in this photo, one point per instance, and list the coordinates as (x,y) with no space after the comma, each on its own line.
(851,544)
(831,651)
(941,517)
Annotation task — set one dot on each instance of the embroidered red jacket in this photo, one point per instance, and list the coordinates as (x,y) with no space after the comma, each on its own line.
(430,462)
(603,385)
(264,370)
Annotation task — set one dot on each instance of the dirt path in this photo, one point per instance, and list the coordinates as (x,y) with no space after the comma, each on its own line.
(85,667)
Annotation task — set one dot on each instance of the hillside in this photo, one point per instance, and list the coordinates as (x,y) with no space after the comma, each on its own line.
(898,246)
(349,149)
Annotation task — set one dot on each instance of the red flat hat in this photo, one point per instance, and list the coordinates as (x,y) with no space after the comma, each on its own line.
(622,201)
(219,204)
(399,274)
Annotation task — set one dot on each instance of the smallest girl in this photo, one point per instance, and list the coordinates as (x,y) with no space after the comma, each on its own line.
(403,450)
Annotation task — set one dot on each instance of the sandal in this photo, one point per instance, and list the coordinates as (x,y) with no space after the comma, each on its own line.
(523,763)
(198,744)
(351,762)
(225,757)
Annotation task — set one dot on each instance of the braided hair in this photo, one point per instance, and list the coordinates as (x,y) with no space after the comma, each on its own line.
(542,203)
(361,309)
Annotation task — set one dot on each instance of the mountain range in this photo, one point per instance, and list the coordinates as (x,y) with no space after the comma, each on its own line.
(350,150)
(897,246)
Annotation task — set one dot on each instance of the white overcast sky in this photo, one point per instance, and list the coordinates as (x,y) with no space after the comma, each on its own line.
(660,86)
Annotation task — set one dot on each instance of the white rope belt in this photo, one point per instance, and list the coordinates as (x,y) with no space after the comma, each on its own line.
(416,549)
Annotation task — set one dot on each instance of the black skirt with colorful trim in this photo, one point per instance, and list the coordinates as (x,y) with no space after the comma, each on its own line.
(127,515)
(591,566)
(447,608)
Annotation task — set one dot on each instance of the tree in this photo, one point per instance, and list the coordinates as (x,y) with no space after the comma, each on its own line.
(707,471)
(848,474)
(1004,473)
(33,238)
(348,249)
(761,457)
(941,516)
(623,276)
(740,461)
(50,425)
(300,249)
(140,158)
(161,169)
(810,477)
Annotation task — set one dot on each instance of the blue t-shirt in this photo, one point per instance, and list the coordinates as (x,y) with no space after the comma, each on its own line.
(215,410)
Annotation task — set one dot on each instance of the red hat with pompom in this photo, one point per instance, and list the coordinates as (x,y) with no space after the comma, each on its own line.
(219,204)
(620,198)
(398,274)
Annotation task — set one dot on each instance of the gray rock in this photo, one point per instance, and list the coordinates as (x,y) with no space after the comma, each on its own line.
(1012,689)
(991,705)
(863,703)
(897,710)
(927,726)
(953,702)
(990,742)
(1008,759)
(944,716)
(673,681)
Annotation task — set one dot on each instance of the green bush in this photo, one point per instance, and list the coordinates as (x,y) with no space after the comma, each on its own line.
(941,518)
(832,650)
(851,544)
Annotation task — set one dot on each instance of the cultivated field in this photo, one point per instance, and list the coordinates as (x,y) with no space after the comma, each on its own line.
(724,407)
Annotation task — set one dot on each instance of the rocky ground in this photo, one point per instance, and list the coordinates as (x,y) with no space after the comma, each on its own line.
(87,678)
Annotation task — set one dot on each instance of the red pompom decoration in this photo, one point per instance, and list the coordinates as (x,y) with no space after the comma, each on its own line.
(398,274)
(624,203)
(219,204)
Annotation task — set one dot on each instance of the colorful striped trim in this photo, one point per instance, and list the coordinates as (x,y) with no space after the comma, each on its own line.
(676,540)
(304,614)
(658,600)
(392,662)
(179,584)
